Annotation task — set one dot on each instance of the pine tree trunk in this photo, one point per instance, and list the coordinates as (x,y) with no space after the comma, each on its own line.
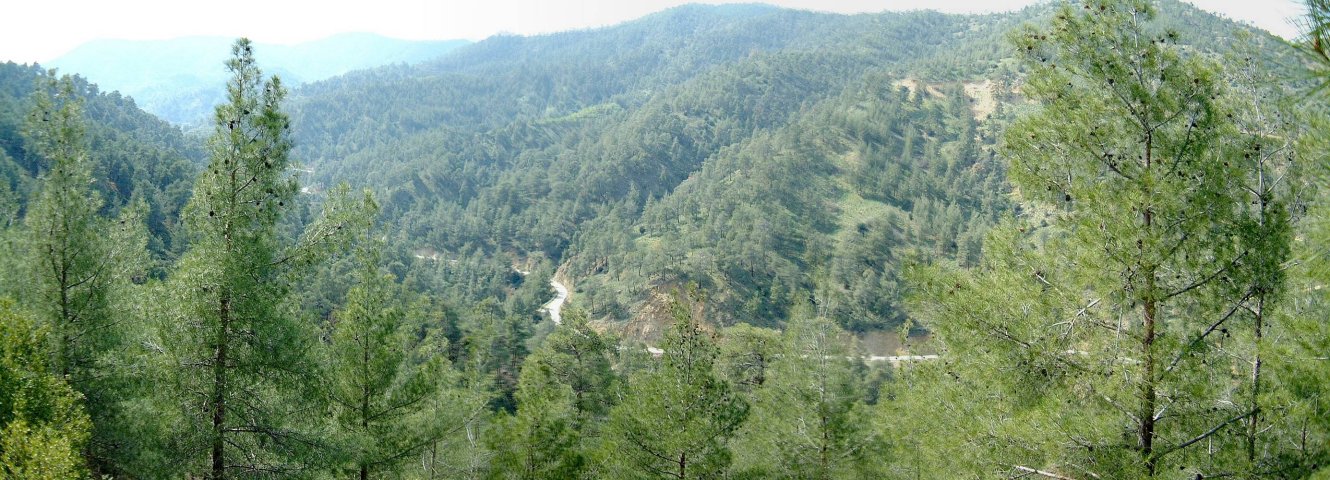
(1150,309)
(364,403)
(1147,415)
(1253,421)
(63,355)
(219,390)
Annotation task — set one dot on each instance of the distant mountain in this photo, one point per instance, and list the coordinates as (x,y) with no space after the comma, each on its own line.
(181,79)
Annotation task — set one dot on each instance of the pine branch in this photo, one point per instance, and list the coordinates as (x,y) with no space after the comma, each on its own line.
(1043,473)
(1205,435)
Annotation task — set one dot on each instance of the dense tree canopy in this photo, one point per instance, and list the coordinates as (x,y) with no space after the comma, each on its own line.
(1074,241)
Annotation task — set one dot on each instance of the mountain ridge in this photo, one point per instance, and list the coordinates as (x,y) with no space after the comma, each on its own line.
(180,79)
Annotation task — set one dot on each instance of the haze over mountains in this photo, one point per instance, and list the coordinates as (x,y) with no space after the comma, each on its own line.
(180,80)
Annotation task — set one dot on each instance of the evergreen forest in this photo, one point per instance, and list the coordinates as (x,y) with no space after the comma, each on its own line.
(1081,240)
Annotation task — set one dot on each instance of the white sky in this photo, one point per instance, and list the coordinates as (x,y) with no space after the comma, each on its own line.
(41,30)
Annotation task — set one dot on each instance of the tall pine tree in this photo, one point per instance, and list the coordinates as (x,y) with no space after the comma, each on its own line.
(80,261)
(381,399)
(239,358)
(1113,336)
(566,389)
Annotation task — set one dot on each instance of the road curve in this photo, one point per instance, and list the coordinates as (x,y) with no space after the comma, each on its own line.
(555,305)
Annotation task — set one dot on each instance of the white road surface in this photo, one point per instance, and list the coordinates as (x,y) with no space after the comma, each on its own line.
(555,305)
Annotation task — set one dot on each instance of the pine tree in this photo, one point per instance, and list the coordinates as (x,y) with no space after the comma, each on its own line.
(239,359)
(380,399)
(678,419)
(746,355)
(577,356)
(81,262)
(457,415)
(540,439)
(565,391)
(1301,376)
(495,345)
(809,419)
(1112,335)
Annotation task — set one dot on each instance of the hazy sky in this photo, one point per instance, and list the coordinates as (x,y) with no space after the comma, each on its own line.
(41,30)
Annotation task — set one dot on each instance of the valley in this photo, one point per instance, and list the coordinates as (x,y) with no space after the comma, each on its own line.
(1075,240)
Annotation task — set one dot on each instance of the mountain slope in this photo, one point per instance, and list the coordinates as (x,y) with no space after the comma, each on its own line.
(505,79)
(773,157)
(137,155)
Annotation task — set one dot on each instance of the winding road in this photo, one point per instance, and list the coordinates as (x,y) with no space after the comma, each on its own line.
(555,305)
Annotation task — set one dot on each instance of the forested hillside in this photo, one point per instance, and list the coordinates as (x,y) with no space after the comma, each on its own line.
(771,156)
(558,147)
(1084,240)
(137,157)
